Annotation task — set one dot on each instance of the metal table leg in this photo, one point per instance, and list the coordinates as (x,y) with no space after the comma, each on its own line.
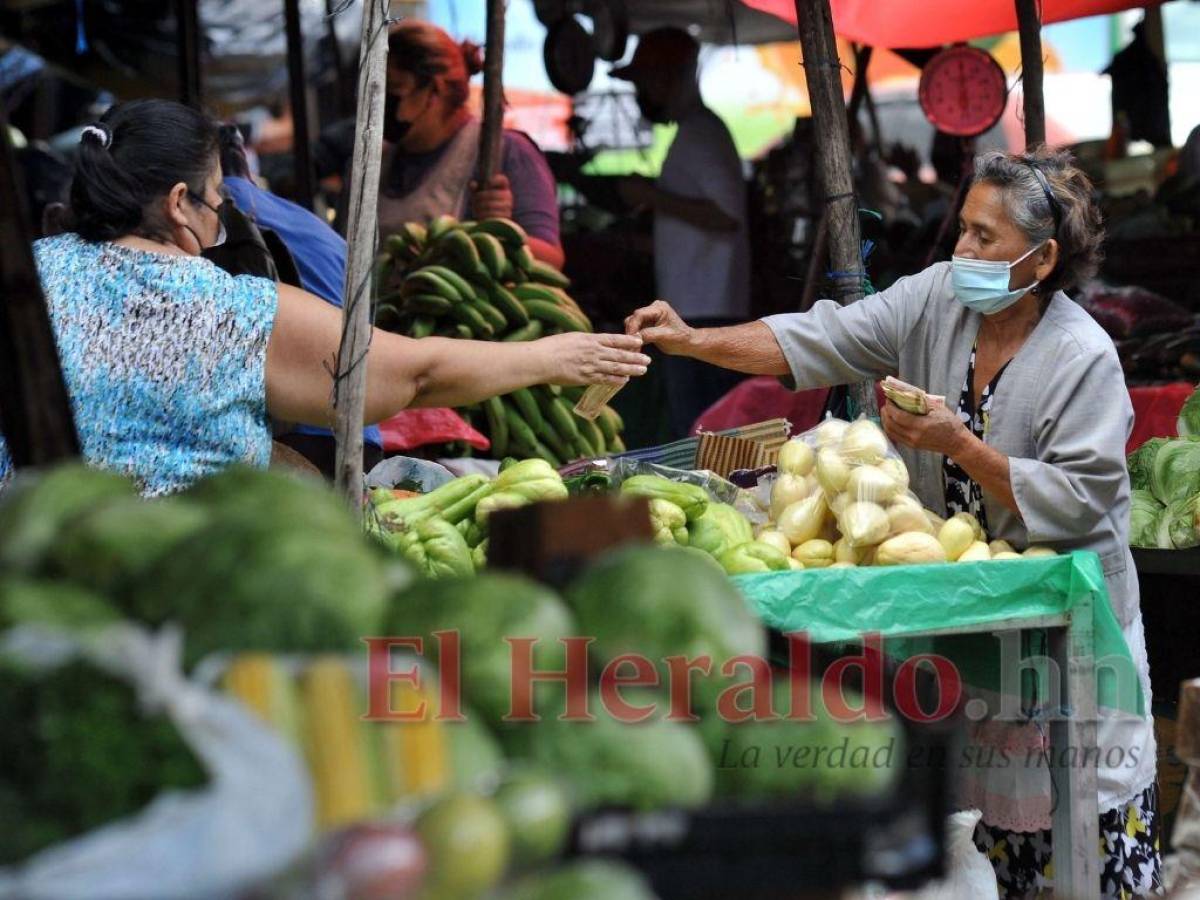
(1074,756)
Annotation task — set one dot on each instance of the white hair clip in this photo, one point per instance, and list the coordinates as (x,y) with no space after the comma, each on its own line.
(102,134)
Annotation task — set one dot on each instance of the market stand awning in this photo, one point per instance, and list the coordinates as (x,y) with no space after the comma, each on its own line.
(932,23)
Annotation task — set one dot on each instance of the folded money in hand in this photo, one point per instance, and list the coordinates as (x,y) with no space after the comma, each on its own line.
(908,398)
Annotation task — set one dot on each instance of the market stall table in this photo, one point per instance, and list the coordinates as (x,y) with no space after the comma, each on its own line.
(1064,596)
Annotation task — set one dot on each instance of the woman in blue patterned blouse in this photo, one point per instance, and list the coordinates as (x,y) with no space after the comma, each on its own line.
(173,365)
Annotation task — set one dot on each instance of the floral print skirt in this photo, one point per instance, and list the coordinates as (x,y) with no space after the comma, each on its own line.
(1129,847)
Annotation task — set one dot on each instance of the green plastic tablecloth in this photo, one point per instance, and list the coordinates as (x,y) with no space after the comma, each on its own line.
(839,605)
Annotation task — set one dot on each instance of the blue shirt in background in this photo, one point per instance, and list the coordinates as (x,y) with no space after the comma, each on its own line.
(319,253)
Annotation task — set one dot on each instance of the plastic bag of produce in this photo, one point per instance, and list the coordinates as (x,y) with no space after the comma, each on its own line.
(251,820)
(843,483)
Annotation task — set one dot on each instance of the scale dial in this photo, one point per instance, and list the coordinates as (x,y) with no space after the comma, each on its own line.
(963,91)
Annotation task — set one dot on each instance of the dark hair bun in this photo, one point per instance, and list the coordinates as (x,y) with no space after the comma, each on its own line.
(132,157)
(472,57)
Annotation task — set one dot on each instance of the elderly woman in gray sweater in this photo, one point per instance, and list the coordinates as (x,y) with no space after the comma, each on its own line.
(1031,440)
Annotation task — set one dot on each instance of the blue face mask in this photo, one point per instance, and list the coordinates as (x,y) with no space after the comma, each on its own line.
(982,284)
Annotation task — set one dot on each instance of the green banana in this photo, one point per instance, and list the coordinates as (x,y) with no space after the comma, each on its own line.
(528,406)
(523,257)
(428,304)
(457,246)
(493,408)
(422,327)
(559,413)
(504,301)
(547,274)
(585,448)
(468,315)
(595,437)
(530,332)
(531,291)
(547,454)
(614,417)
(493,316)
(463,332)
(605,424)
(456,281)
(557,445)
(552,314)
(426,281)
(617,446)
(491,252)
(438,227)
(509,232)
(397,247)
(573,392)
(520,433)
(415,234)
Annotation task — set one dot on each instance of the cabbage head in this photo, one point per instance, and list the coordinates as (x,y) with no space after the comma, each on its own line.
(1179,524)
(1141,463)
(1144,514)
(1175,473)
(1189,417)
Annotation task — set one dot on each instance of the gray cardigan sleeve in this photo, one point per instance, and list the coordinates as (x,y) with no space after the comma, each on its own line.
(1084,416)
(833,344)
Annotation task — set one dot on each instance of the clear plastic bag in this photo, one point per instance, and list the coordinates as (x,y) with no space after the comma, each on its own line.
(841,497)
(251,821)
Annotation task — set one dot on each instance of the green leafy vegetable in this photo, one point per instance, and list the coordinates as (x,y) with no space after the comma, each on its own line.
(1189,416)
(1144,512)
(1141,463)
(1179,525)
(647,765)
(78,753)
(1175,473)
(484,611)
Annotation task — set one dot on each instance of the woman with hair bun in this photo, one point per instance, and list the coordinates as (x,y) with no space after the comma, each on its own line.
(1030,440)
(432,146)
(174,367)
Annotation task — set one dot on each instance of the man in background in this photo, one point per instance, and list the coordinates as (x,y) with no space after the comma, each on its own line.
(701,244)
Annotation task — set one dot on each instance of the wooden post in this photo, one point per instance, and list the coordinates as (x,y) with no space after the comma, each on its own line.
(822,71)
(345,95)
(362,233)
(493,92)
(187,34)
(298,92)
(35,411)
(1029,24)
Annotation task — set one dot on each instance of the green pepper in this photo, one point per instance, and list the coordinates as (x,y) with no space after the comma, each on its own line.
(753,557)
(691,499)
(721,528)
(435,548)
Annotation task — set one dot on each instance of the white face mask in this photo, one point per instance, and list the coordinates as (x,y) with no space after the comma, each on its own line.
(982,284)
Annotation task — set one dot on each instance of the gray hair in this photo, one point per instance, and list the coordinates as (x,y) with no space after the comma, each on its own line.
(1023,197)
(1079,231)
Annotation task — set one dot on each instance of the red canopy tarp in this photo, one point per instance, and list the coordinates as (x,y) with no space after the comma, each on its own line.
(932,23)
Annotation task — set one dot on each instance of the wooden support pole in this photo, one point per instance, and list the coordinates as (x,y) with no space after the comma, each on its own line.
(187,33)
(822,71)
(304,189)
(1029,24)
(858,93)
(493,92)
(344,90)
(350,374)
(35,411)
